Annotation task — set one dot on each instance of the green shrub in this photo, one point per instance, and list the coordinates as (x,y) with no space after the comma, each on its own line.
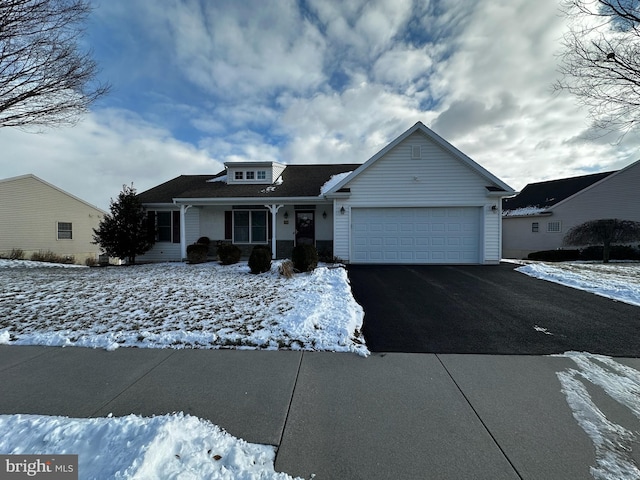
(16,254)
(197,253)
(260,259)
(305,258)
(228,253)
(555,255)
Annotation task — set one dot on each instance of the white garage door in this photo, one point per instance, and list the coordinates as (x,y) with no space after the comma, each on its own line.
(415,235)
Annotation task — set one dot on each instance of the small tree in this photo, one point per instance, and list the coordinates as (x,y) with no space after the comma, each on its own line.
(605,232)
(123,233)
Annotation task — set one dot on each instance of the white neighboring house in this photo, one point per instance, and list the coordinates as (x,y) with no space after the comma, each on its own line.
(417,201)
(539,217)
(38,217)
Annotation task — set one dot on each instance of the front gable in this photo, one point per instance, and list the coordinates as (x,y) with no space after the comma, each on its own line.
(420,167)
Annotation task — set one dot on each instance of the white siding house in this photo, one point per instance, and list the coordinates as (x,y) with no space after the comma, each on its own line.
(419,200)
(38,217)
(615,196)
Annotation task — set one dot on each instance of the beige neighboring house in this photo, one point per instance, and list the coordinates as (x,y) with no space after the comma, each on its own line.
(38,217)
(539,217)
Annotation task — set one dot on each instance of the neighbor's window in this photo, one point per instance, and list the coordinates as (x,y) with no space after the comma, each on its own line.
(535,226)
(251,175)
(553,227)
(249,226)
(65,231)
(238,176)
(262,174)
(163,225)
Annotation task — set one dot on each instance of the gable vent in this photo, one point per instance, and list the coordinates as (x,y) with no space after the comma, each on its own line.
(416,151)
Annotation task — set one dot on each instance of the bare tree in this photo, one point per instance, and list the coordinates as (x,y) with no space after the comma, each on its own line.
(605,232)
(45,77)
(600,61)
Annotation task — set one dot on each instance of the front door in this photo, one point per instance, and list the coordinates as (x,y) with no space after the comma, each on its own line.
(305,228)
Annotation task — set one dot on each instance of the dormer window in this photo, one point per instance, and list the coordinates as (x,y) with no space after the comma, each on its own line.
(258,173)
(238,176)
(262,174)
(251,175)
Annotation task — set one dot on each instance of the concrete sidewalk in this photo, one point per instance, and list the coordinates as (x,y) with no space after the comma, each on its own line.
(333,415)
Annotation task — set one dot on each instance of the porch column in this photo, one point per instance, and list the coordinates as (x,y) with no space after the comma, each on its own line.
(183,231)
(273,209)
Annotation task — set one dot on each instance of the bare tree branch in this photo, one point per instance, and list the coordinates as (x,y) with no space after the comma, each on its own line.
(600,61)
(45,78)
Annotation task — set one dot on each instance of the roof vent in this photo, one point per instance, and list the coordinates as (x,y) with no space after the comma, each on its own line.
(416,151)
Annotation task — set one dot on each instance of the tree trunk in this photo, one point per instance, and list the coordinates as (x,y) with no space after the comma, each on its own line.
(606,250)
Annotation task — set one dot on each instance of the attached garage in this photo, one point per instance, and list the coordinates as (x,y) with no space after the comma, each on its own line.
(449,235)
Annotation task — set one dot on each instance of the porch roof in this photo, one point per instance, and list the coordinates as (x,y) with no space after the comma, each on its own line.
(297,181)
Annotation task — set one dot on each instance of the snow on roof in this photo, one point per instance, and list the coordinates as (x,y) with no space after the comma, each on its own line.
(221,178)
(334,180)
(523,211)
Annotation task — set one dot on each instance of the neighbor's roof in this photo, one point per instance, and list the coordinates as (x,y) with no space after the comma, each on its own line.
(542,195)
(297,181)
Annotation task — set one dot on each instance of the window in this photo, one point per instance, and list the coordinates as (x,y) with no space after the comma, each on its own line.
(251,175)
(238,176)
(262,175)
(65,232)
(553,227)
(164,226)
(249,226)
(535,226)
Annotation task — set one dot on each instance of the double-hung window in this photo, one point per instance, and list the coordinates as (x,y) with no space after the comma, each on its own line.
(65,231)
(250,226)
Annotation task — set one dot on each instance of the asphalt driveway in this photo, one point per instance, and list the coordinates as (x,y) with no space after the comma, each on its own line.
(487,310)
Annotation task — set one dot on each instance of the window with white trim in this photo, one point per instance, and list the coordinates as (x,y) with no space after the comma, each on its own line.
(65,231)
(262,174)
(249,226)
(238,176)
(553,227)
(251,175)
(535,227)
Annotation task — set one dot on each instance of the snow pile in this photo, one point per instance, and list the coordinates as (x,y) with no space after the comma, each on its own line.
(619,281)
(134,447)
(4,263)
(613,443)
(333,181)
(523,211)
(221,178)
(175,305)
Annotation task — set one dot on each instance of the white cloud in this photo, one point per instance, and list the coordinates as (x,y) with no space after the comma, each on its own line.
(94,159)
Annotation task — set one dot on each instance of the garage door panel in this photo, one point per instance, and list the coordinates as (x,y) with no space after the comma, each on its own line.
(415,235)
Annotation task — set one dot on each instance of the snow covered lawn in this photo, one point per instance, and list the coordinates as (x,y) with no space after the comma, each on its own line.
(175,305)
(619,281)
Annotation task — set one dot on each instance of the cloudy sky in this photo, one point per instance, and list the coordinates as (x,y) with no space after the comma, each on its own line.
(196,83)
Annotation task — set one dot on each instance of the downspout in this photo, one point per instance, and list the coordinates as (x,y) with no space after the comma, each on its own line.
(183,230)
(274,210)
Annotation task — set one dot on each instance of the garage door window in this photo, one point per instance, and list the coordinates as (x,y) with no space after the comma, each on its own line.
(553,227)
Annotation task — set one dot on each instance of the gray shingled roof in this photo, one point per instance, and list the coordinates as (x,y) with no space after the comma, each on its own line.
(546,194)
(297,181)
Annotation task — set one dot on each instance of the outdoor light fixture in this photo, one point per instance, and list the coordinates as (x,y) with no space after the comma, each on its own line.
(324,214)
(286,215)
(342,210)
(494,208)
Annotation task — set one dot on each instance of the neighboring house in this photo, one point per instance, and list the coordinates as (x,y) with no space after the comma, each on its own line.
(539,217)
(418,200)
(39,217)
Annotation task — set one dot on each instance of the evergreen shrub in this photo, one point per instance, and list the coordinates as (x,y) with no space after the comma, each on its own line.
(228,253)
(197,253)
(305,258)
(260,259)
